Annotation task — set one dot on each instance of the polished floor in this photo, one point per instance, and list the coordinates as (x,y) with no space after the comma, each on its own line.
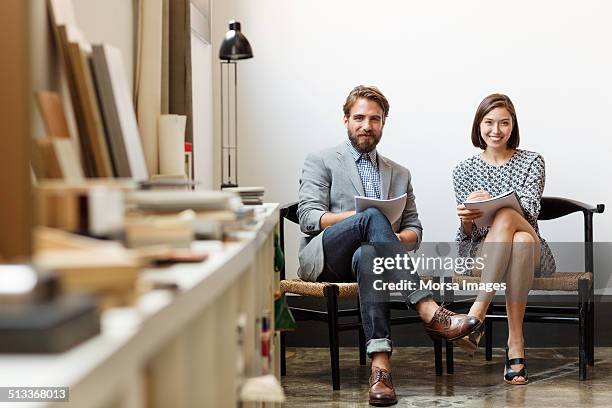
(553,375)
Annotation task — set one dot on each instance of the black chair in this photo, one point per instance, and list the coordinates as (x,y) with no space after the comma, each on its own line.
(331,292)
(582,282)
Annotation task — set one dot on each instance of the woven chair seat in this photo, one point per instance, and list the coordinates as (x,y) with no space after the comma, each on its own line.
(316,289)
(563,281)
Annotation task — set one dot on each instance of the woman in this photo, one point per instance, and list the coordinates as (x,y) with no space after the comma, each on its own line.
(511,248)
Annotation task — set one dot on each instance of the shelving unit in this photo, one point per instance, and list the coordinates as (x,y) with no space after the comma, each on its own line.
(173,349)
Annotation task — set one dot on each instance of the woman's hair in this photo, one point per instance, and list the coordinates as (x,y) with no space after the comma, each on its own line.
(367,92)
(487,105)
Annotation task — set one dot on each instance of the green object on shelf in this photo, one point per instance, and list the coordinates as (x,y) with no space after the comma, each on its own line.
(279,257)
(283,318)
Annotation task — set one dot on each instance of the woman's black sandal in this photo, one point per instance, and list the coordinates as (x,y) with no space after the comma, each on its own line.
(510,374)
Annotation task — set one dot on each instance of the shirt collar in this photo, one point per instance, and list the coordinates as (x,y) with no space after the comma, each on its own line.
(356,154)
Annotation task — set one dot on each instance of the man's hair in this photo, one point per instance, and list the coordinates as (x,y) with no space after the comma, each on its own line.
(487,105)
(366,92)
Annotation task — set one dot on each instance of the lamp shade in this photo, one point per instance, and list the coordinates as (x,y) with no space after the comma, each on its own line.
(235,46)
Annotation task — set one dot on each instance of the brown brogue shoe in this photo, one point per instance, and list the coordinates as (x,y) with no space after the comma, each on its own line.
(450,325)
(381,392)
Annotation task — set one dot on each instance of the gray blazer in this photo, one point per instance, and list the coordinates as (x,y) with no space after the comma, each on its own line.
(330,181)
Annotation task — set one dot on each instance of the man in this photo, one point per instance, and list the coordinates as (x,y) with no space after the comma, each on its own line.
(333,252)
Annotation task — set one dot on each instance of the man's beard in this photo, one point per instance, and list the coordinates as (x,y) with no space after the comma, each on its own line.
(365,145)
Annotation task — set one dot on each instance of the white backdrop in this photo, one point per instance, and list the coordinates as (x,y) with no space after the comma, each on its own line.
(434,61)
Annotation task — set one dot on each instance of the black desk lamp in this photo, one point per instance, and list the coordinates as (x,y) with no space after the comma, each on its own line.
(235,47)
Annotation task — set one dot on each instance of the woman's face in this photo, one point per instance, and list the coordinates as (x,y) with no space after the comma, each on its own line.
(496,128)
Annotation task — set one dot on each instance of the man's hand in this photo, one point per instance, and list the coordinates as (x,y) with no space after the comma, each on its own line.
(328,219)
(408,237)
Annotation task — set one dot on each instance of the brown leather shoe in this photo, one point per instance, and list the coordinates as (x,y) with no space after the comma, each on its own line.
(450,325)
(381,392)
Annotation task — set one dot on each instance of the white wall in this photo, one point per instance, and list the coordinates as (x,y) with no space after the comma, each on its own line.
(434,61)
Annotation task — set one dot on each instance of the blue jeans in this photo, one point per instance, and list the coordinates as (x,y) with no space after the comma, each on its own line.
(350,247)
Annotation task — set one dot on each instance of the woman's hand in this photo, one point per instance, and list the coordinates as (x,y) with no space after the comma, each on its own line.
(468,216)
(478,196)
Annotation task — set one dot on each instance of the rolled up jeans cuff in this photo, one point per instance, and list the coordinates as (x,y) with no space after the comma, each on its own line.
(416,296)
(379,346)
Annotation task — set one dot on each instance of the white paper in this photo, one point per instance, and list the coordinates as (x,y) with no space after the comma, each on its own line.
(392,208)
(489,207)
(106,210)
(149,77)
(172,144)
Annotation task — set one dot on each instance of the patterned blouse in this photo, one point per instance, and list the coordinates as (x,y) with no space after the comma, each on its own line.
(523,173)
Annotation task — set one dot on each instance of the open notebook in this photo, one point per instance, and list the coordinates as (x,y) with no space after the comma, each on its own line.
(489,207)
(392,208)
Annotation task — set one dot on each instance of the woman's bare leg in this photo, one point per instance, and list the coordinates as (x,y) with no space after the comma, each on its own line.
(496,251)
(512,248)
(525,254)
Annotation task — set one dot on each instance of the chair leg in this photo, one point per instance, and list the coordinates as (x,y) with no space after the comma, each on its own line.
(450,364)
(488,339)
(449,298)
(591,330)
(582,327)
(331,295)
(362,346)
(283,363)
(438,356)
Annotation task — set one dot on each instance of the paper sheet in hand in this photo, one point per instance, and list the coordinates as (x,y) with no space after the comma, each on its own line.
(489,207)
(392,208)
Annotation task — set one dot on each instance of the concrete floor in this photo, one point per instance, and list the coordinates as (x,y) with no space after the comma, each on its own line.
(553,375)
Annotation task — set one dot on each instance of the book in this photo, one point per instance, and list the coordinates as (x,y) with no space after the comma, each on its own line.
(98,152)
(392,208)
(53,326)
(68,158)
(49,167)
(59,159)
(52,112)
(170,201)
(248,195)
(489,207)
(118,113)
(64,34)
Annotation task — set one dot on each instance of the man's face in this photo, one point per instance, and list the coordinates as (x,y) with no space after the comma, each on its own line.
(364,125)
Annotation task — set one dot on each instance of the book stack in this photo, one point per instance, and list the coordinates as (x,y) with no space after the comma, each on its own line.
(111,274)
(173,201)
(211,214)
(248,195)
(91,207)
(53,326)
(85,264)
(145,231)
(35,317)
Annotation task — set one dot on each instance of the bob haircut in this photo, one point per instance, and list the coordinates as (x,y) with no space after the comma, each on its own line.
(487,105)
(366,92)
